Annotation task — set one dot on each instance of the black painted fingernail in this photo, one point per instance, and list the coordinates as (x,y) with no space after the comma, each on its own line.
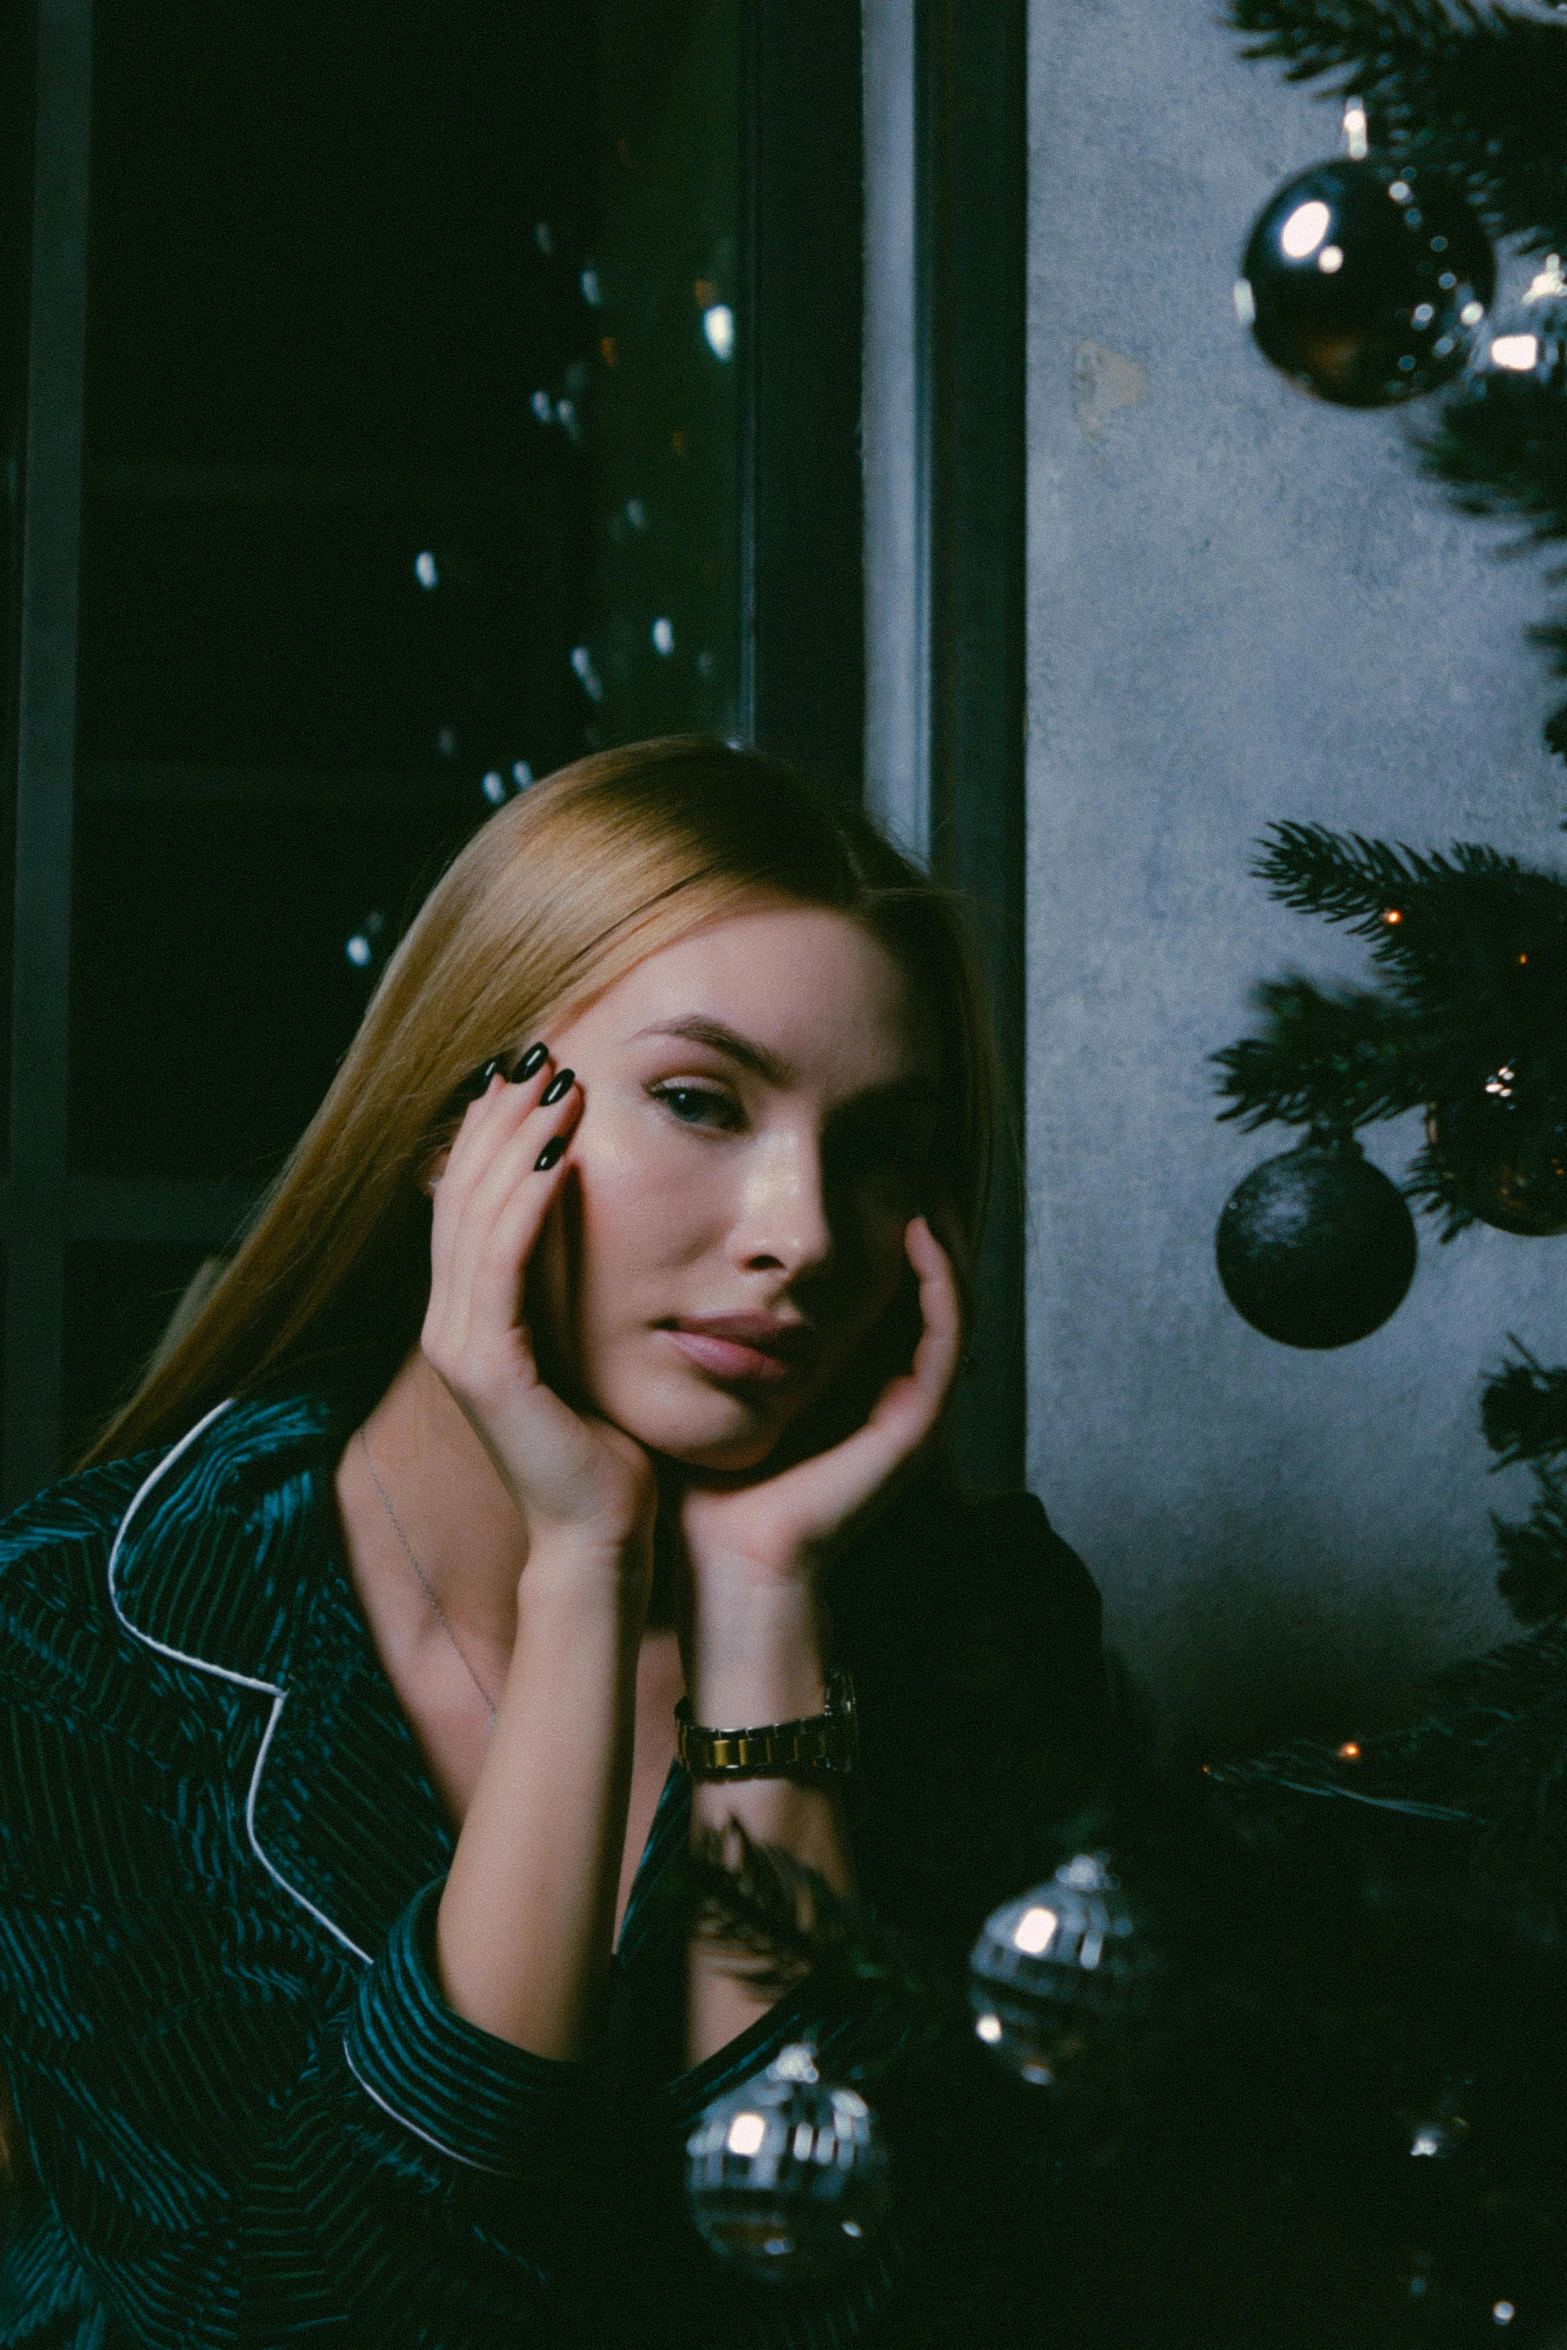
(558,1088)
(551,1155)
(495,1068)
(531,1063)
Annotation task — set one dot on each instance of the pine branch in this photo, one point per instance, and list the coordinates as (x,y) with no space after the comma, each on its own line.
(1346,878)
(1429,1184)
(1523,1412)
(775,1919)
(1533,1580)
(1343,1059)
(1501,451)
(1454,86)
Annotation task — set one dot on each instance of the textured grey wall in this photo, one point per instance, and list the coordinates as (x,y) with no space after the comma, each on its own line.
(1243,606)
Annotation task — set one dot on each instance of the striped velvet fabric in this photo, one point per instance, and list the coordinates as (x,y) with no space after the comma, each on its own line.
(248,2115)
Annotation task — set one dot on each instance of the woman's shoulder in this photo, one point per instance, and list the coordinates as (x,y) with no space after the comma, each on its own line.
(69,1555)
(975,1599)
(971,1553)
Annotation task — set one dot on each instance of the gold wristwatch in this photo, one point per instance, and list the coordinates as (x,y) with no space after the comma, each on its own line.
(823,1745)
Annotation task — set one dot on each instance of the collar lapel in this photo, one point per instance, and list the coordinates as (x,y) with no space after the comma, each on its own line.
(226,1564)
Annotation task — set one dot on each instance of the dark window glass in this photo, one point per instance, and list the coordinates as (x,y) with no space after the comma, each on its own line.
(412,473)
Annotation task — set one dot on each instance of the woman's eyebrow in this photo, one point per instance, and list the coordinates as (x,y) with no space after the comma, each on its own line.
(696,1028)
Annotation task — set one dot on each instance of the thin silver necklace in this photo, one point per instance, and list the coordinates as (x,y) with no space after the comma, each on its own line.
(424,1580)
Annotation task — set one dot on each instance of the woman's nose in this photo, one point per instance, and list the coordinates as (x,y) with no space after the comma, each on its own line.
(783,1224)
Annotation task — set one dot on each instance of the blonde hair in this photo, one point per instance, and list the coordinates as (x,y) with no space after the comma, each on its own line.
(552,901)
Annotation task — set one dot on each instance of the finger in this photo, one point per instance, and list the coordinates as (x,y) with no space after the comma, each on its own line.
(940,1348)
(488,1233)
(503,1134)
(494,1113)
(849,1476)
(542,1133)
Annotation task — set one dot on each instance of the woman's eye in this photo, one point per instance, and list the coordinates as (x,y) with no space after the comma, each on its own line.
(698,1105)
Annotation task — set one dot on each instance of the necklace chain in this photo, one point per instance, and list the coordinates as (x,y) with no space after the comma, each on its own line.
(424,1580)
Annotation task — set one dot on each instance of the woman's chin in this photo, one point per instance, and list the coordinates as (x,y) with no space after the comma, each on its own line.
(725,1435)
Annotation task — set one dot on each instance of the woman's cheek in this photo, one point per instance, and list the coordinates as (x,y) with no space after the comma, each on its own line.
(641,1201)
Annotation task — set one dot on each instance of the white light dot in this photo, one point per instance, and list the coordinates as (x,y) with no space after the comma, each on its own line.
(521,774)
(1425,2142)
(664,637)
(1472,313)
(718,325)
(989,2029)
(424,569)
(358,950)
(543,407)
(1518,352)
(493,788)
(852,2227)
(592,292)
(1400,191)
(1503,2312)
(1304,230)
(1035,1931)
(1331,260)
(1423,314)
(746,2133)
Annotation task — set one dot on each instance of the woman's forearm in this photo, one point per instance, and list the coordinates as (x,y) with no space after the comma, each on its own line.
(526,1921)
(757,1654)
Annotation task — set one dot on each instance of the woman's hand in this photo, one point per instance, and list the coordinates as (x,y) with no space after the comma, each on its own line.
(571,1476)
(778,1529)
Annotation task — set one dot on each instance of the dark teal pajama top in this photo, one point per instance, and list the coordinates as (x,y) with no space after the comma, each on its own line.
(247,2114)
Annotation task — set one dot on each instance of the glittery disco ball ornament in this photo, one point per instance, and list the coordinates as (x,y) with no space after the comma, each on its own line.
(1511,404)
(1503,1149)
(1316,1248)
(787,2177)
(1052,1969)
(1365,284)
(1519,362)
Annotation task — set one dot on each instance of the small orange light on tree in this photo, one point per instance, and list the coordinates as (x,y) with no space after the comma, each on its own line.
(1393,917)
(1349,1751)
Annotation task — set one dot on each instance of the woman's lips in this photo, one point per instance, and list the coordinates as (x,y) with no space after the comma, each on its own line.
(737,1349)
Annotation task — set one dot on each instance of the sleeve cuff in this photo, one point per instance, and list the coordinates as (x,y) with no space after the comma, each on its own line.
(478,2100)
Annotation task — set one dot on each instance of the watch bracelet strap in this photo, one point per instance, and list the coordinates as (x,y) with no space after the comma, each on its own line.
(824,1745)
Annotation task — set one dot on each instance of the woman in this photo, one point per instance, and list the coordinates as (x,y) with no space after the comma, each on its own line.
(339,1776)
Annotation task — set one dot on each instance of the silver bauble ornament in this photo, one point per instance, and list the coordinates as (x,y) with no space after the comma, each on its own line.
(1052,1968)
(787,2176)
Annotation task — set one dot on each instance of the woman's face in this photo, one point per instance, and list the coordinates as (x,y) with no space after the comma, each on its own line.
(760,1102)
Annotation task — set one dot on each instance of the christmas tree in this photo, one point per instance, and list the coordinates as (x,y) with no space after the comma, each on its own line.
(1275,2054)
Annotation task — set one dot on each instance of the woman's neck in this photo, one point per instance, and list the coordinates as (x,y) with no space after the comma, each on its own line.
(454,1512)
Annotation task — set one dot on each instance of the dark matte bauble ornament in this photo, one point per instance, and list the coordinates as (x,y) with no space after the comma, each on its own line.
(1316,1248)
(1503,1148)
(1055,1968)
(1365,284)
